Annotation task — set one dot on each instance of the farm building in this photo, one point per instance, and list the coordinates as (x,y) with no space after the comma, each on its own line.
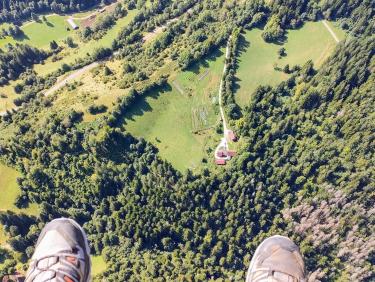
(72,24)
(221,154)
(232,136)
(220,162)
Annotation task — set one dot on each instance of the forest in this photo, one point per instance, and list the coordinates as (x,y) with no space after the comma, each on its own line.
(17,59)
(17,11)
(305,168)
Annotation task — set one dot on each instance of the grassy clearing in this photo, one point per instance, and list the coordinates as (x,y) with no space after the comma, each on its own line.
(98,265)
(7,96)
(257,58)
(9,191)
(40,34)
(70,55)
(178,119)
(92,89)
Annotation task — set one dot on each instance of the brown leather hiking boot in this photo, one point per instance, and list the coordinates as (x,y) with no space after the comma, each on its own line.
(277,259)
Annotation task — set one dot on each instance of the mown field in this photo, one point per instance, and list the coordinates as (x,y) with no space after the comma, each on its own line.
(258,58)
(40,34)
(70,55)
(179,119)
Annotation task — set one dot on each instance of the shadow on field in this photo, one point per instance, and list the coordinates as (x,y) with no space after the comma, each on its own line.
(141,106)
(204,63)
(49,24)
(21,37)
(243,45)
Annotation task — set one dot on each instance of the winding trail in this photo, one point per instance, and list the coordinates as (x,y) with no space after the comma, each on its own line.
(331,31)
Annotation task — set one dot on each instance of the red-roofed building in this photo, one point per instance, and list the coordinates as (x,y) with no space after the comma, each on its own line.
(220,162)
(232,136)
(221,154)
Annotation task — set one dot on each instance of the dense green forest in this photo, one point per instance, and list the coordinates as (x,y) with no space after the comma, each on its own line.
(305,169)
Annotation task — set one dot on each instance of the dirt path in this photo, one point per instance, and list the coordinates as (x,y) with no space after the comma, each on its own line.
(151,35)
(222,113)
(94,13)
(331,31)
(158,30)
(178,87)
(70,77)
(223,142)
(62,83)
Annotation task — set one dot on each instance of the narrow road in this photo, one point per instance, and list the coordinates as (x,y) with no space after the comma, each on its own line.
(223,142)
(331,31)
(62,82)
(70,77)
(93,13)
(222,113)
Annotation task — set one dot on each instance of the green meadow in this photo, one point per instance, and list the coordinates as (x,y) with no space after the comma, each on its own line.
(81,51)
(98,265)
(9,190)
(40,34)
(179,118)
(258,58)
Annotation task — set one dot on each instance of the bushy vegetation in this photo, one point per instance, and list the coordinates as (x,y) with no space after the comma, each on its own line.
(17,59)
(104,23)
(305,168)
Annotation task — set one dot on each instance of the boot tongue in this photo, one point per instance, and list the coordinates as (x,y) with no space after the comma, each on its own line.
(53,243)
(285,269)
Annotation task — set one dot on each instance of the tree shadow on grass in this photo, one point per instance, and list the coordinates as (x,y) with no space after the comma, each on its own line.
(49,24)
(22,37)
(243,46)
(204,62)
(141,106)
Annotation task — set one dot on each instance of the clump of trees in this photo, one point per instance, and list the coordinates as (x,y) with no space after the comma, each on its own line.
(97,109)
(13,31)
(273,31)
(17,59)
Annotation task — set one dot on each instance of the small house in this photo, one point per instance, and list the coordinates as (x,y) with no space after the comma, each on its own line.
(72,24)
(221,154)
(220,162)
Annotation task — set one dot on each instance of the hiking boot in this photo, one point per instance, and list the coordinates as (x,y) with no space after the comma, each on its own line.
(61,254)
(277,259)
